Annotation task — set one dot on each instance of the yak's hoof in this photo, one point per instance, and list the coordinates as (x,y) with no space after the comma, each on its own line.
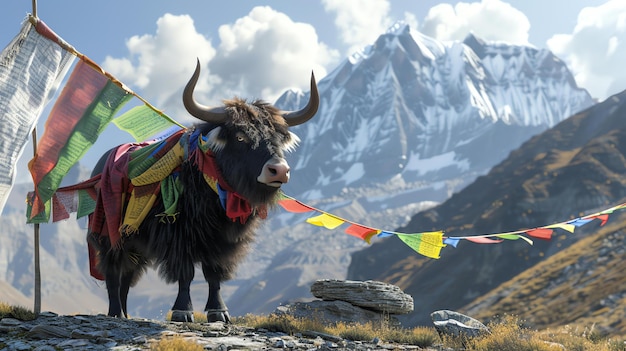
(182,316)
(218,316)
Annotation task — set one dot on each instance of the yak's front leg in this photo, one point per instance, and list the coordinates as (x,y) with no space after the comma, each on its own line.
(216,310)
(113,283)
(183,307)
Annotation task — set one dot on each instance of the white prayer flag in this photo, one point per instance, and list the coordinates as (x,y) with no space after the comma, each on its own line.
(31,69)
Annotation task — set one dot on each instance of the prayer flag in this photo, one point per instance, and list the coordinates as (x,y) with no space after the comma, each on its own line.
(293,205)
(142,122)
(541,233)
(326,220)
(579,222)
(31,69)
(514,237)
(427,244)
(482,240)
(602,217)
(86,105)
(362,232)
(451,241)
(565,226)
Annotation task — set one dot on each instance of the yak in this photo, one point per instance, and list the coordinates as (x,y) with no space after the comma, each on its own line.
(192,199)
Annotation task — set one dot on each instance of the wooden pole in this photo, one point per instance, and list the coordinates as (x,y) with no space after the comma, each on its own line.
(37,287)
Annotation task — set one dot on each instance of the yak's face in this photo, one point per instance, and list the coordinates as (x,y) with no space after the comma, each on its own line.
(250,140)
(250,148)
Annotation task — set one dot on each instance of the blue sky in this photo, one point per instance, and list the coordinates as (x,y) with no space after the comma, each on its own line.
(257,49)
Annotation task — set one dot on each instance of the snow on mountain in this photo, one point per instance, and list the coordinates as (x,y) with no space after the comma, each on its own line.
(409,99)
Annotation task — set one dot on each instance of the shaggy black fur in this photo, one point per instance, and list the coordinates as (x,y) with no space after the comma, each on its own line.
(202,233)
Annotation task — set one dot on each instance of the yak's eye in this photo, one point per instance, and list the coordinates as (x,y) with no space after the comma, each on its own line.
(241,137)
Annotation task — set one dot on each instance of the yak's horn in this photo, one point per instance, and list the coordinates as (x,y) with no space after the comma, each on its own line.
(205,113)
(294,118)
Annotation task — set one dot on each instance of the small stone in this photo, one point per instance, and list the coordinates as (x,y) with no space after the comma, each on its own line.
(75,343)
(456,324)
(20,346)
(280,344)
(141,339)
(48,314)
(44,348)
(44,331)
(10,321)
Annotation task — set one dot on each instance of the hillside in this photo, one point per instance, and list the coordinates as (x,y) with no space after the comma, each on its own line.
(582,287)
(575,168)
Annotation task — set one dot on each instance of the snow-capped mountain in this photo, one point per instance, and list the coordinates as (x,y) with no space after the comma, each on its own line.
(402,126)
(412,106)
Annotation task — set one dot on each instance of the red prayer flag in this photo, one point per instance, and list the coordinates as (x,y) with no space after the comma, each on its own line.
(541,233)
(361,232)
(603,217)
(293,205)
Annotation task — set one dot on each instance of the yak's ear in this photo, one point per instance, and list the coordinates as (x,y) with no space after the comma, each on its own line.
(215,141)
(292,142)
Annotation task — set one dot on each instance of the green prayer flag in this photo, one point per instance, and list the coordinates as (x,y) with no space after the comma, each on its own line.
(143,122)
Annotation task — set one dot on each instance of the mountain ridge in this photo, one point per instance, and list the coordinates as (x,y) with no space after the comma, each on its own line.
(570,170)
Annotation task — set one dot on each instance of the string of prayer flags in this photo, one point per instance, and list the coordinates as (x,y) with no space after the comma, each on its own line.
(429,244)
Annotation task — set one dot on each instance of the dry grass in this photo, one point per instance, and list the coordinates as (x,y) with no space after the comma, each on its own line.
(420,336)
(17,312)
(176,343)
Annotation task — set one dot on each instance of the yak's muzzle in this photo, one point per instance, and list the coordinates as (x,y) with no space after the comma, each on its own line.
(275,172)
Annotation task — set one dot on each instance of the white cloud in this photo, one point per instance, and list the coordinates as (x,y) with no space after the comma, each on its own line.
(161,64)
(265,52)
(360,22)
(596,49)
(259,56)
(491,20)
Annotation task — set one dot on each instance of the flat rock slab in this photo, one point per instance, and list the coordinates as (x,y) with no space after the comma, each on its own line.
(372,295)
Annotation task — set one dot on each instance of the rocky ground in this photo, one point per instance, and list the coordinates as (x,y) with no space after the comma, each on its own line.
(50,332)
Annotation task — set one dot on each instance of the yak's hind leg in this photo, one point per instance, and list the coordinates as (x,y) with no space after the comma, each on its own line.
(216,310)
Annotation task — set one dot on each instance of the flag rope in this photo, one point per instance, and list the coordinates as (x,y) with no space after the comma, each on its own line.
(45,31)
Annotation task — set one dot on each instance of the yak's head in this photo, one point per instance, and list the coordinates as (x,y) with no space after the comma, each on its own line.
(250,140)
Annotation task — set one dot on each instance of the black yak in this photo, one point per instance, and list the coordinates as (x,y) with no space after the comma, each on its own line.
(194,198)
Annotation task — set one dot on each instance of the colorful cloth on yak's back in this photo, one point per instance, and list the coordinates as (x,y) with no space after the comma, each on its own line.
(136,174)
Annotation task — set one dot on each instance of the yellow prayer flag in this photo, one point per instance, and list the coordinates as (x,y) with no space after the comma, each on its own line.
(326,220)
(427,244)
(569,227)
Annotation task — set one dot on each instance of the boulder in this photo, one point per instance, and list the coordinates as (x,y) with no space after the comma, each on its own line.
(457,324)
(372,295)
(334,312)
